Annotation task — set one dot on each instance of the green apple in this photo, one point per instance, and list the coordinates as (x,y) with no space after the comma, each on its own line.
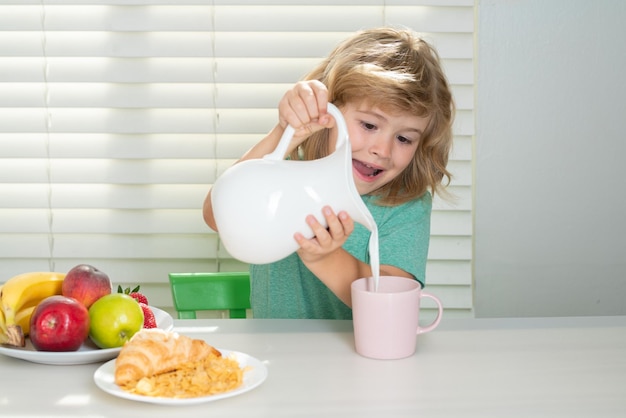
(114,319)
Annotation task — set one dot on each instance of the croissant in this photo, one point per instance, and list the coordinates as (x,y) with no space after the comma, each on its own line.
(154,351)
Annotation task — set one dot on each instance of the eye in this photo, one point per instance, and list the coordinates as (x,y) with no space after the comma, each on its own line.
(404,140)
(368,126)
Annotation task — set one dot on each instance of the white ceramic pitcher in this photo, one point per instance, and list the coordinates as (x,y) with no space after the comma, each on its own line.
(260,204)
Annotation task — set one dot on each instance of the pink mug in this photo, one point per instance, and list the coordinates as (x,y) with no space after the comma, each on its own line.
(386,321)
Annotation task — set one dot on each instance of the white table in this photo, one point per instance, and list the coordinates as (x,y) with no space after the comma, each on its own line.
(562,367)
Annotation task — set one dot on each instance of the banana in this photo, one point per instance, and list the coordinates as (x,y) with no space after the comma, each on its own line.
(22,318)
(24,291)
(3,327)
(4,339)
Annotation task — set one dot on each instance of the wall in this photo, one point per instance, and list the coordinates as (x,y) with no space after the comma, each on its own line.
(549,155)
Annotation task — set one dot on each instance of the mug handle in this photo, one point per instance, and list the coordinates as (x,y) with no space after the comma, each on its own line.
(342,135)
(433,325)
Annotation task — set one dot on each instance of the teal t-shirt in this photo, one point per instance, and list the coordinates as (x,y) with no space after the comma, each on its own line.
(287,289)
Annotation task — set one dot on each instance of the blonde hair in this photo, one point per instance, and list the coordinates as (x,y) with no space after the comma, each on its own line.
(397,71)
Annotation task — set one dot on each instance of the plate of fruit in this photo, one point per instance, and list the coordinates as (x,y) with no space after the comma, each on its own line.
(71,318)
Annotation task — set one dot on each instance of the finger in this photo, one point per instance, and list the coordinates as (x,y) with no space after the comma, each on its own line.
(335,227)
(309,101)
(299,105)
(291,111)
(308,93)
(310,246)
(347,222)
(321,101)
(304,107)
(320,232)
(301,240)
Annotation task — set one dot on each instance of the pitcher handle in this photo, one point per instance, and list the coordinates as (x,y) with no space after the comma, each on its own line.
(283,144)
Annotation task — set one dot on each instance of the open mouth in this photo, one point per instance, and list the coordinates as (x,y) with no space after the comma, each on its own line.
(366,170)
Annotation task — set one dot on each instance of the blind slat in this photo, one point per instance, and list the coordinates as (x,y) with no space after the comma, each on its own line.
(277,70)
(93,195)
(199,44)
(159,221)
(93,170)
(93,246)
(103,221)
(125,146)
(160,95)
(120,18)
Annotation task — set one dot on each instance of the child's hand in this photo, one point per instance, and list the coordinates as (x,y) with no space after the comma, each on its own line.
(304,107)
(326,240)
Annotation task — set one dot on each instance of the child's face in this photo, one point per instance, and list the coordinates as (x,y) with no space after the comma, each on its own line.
(383,144)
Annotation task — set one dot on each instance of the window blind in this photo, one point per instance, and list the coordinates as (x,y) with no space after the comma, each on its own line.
(117,116)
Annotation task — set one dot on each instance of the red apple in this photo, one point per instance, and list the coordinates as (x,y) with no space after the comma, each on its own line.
(86,284)
(59,323)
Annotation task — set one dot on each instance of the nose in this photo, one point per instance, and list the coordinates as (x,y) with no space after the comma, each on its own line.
(381,146)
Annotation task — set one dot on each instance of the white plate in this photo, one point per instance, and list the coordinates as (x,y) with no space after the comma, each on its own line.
(87,353)
(253,377)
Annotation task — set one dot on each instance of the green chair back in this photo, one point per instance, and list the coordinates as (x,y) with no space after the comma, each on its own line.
(193,292)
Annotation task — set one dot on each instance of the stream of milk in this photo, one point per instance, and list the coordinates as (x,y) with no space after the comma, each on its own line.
(374,257)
